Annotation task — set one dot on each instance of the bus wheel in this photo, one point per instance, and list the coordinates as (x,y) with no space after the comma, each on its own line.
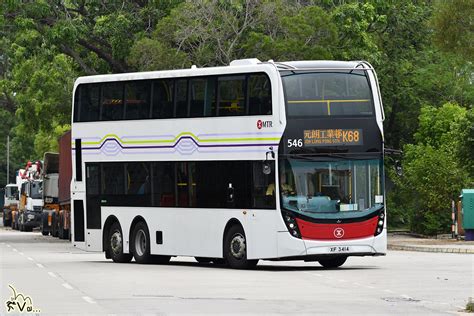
(333,262)
(116,245)
(235,249)
(203,260)
(140,243)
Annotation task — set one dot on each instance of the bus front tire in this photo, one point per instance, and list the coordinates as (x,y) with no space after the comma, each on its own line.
(235,249)
(116,245)
(333,262)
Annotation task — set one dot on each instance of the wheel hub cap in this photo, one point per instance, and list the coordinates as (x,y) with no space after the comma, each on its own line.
(140,243)
(237,246)
(116,242)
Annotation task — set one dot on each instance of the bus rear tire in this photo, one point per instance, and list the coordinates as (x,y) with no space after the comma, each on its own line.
(116,245)
(333,262)
(235,249)
(140,243)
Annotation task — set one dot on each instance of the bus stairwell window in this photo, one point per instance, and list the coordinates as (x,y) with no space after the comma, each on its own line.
(260,101)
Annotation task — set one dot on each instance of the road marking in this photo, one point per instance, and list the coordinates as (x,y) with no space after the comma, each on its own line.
(52,274)
(21,253)
(67,286)
(8,246)
(370,287)
(31,259)
(15,250)
(88,299)
(388,291)
(39,265)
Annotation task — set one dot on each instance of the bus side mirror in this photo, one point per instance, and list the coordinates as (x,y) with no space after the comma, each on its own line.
(398,168)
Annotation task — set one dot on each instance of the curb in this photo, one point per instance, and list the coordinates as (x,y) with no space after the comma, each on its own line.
(430,249)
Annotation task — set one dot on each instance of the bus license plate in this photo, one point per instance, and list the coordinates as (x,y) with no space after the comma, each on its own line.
(340,249)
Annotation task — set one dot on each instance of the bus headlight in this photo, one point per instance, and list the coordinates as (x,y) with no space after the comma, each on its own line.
(380,223)
(291,224)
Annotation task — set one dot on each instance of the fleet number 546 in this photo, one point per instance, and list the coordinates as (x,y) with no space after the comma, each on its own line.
(294,142)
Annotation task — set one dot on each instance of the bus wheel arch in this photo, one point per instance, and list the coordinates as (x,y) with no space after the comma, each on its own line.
(234,246)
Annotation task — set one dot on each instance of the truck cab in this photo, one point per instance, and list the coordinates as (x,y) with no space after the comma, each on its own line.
(10,204)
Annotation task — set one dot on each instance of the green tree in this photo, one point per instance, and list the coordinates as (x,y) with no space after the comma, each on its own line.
(434,174)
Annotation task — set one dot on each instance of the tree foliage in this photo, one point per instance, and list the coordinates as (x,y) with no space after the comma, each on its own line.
(422,52)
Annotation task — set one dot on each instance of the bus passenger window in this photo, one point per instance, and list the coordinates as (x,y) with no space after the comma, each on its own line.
(163,98)
(137,100)
(163,184)
(181,98)
(260,97)
(138,186)
(202,97)
(231,96)
(112,102)
(88,95)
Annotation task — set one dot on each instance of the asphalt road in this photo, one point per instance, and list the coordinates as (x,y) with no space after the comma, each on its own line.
(60,279)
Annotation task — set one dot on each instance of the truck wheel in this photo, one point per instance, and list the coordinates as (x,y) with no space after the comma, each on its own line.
(116,245)
(44,224)
(54,225)
(333,262)
(235,249)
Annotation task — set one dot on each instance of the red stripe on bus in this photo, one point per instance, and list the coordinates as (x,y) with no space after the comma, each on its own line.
(310,230)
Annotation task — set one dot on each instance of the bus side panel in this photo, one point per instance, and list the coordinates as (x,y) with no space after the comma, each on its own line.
(261,234)
(198,232)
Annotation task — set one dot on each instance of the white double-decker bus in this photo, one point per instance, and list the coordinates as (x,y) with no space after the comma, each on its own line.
(255,160)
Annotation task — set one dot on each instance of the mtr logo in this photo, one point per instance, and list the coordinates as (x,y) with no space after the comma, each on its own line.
(264,124)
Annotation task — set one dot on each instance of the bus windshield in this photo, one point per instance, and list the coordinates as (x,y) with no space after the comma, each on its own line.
(330,186)
(311,94)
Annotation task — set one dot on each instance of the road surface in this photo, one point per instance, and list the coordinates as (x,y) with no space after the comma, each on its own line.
(60,279)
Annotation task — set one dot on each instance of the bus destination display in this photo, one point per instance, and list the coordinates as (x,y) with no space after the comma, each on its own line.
(335,137)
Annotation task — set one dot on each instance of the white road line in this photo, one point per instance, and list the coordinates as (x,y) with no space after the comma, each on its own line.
(15,250)
(88,299)
(31,259)
(370,287)
(52,274)
(21,253)
(67,286)
(39,265)
(8,246)
(388,291)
